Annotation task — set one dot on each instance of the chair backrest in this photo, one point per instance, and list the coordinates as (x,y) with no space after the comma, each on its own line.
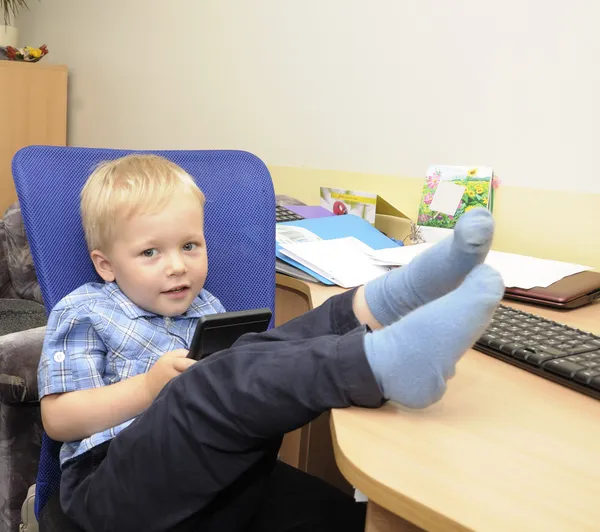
(239,228)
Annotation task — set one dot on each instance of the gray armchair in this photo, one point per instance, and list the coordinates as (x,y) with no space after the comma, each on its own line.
(22,326)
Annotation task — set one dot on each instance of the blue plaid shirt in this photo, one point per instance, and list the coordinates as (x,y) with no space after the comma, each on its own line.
(96,336)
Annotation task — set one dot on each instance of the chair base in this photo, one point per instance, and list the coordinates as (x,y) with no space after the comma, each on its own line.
(28,520)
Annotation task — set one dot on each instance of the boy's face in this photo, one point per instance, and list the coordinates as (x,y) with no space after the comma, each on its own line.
(159,260)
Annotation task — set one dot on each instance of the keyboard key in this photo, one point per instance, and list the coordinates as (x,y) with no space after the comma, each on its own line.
(487,338)
(595,383)
(582,348)
(509,348)
(563,367)
(550,342)
(539,358)
(590,364)
(522,354)
(498,342)
(550,350)
(586,375)
(563,347)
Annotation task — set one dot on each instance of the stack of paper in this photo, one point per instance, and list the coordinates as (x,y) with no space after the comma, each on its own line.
(518,271)
(327,229)
(348,262)
(344,261)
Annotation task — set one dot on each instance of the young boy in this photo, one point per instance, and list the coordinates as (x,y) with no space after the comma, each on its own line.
(157,442)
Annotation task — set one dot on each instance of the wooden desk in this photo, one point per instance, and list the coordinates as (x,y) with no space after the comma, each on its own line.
(309,448)
(504,450)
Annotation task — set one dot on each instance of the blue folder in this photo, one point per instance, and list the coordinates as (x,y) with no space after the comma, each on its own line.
(338,227)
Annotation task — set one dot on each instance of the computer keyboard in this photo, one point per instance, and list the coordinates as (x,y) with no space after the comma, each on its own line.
(552,350)
(283,214)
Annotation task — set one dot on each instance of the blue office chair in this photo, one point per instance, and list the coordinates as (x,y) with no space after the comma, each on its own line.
(239,227)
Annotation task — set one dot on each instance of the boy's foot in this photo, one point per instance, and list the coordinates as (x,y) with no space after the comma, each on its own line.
(412,358)
(434,272)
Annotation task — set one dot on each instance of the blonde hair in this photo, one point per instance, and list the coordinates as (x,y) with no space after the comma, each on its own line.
(134,184)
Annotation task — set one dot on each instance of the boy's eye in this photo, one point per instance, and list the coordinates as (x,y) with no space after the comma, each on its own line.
(149,252)
(189,246)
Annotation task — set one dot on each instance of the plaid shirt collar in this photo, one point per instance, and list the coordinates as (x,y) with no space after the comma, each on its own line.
(132,311)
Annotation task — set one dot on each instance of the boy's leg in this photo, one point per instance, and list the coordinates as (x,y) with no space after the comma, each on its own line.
(219,420)
(282,499)
(335,316)
(297,502)
(224,417)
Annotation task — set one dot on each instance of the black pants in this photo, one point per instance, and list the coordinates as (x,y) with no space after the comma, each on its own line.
(203,456)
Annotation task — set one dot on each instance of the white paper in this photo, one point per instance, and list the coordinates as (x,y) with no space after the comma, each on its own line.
(344,261)
(447,197)
(526,272)
(519,271)
(398,256)
(290,234)
(434,234)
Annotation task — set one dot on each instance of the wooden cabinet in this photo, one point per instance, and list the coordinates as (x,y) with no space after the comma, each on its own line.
(33,110)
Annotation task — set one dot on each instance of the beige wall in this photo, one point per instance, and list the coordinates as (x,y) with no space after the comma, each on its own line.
(552,224)
(378,87)
(354,93)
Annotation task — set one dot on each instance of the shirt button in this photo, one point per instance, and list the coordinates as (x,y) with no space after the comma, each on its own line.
(59,357)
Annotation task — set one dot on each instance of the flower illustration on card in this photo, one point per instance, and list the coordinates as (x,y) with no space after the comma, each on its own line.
(433,181)
(476,183)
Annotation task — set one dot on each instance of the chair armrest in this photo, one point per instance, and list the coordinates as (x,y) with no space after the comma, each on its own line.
(6,287)
(19,358)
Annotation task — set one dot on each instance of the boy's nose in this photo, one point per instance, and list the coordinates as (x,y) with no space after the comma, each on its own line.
(176,265)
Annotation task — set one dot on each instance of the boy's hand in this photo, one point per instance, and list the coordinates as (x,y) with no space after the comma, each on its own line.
(73,416)
(166,368)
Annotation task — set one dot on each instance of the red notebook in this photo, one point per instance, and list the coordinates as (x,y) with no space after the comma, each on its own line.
(570,292)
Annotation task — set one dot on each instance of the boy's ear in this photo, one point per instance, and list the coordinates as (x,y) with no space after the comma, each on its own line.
(103,265)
